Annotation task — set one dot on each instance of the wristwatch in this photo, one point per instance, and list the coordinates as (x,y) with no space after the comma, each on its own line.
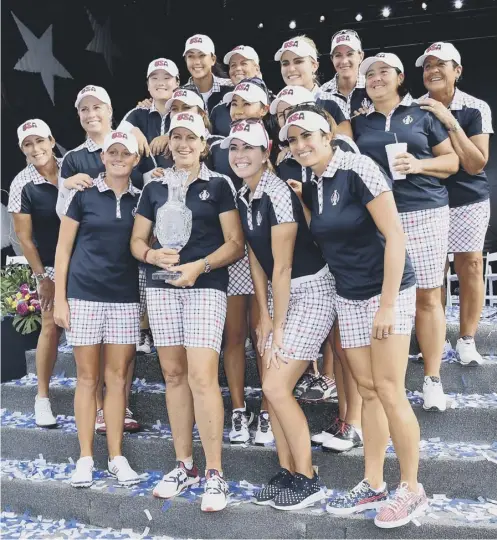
(41,276)
(455,127)
(207,266)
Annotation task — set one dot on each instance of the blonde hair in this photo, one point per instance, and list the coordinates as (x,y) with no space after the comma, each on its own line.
(311,43)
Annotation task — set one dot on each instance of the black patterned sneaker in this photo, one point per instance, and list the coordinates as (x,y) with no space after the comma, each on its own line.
(360,498)
(304,383)
(322,388)
(176,481)
(302,492)
(346,438)
(282,480)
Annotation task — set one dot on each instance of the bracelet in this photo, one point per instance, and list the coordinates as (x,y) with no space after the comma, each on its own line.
(145,255)
(41,276)
(455,127)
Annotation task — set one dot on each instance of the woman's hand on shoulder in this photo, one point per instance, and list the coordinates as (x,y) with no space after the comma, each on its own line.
(79,181)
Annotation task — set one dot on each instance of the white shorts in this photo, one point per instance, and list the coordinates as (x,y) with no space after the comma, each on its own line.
(240,282)
(187,317)
(310,317)
(427,234)
(468,227)
(103,322)
(142,284)
(355,317)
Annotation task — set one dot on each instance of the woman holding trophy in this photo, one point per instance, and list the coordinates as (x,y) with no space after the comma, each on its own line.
(194,215)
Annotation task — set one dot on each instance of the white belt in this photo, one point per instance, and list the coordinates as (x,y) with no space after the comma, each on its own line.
(297,282)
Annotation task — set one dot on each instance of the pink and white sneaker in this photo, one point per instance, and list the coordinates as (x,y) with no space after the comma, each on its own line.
(402,508)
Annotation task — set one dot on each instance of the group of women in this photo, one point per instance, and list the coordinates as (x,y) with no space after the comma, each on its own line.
(308,231)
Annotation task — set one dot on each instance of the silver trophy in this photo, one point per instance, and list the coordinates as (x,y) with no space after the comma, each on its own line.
(173,224)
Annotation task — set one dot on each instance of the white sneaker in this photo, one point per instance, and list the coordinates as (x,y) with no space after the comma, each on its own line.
(240,422)
(433,395)
(119,468)
(466,352)
(83,475)
(43,413)
(145,344)
(176,481)
(264,434)
(327,434)
(215,495)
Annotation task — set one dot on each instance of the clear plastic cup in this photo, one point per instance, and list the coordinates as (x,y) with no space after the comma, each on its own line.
(392,151)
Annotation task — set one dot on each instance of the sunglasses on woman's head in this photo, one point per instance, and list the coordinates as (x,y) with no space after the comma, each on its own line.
(345,31)
(247,121)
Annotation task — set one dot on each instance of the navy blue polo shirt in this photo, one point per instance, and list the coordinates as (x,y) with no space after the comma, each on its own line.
(475,118)
(207,197)
(220,119)
(330,103)
(289,168)
(342,226)
(220,87)
(273,203)
(356,100)
(31,194)
(102,268)
(421,130)
(148,120)
(218,160)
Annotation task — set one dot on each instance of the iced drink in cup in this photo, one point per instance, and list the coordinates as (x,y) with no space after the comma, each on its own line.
(393,150)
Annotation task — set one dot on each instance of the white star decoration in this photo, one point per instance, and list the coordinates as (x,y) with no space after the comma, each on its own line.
(102,41)
(39,58)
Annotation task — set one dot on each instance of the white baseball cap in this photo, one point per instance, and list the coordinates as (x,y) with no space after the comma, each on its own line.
(308,120)
(348,38)
(121,137)
(298,46)
(201,42)
(33,127)
(163,64)
(388,58)
(441,49)
(95,91)
(190,121)
(252,133)
(243,50)
(293,95)
(249,92)
(186,96)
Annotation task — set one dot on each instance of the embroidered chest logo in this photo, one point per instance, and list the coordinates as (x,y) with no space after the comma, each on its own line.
(204,195)
(365,103)
(133,212)
(258,218)
(335,197)
(408,119)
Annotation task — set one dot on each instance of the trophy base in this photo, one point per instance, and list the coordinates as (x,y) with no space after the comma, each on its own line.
(166,275)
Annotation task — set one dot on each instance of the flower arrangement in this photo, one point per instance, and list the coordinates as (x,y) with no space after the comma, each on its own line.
(19,298)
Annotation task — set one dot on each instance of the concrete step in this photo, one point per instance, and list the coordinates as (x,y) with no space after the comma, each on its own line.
(41,488)
(469,417)
(455,377)
(455,469)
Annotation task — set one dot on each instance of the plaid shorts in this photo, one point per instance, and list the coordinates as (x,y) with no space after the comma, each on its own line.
(427,234)
(468,227)
(142,283)
(116,323)
(188,317)
(310,317)
(240,282)
(355,317)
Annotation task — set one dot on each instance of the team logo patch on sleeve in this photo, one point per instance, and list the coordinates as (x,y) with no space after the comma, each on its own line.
(204,195)
(335,197)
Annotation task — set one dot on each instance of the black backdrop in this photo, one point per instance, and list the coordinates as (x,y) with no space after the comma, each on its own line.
(110,42)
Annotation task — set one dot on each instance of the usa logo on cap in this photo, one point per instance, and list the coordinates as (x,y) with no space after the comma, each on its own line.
(179,93)
(291,43)
(159,63)
(119,135)
(344,37)
(296,116)
(195,39)
(29,125)
(286,92)
(434,47)
(88,89)
(185,116)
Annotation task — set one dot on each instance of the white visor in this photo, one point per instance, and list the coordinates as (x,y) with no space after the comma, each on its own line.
(186,96)
(308,120)
(250,133)
(298,46)
(190,121)
(243,50)
(95,91)
(200,42)
(247,91)
(163,64)
(293,95)
(121,137)
(388,58)
(444,51)
(346,38)
(33,127)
